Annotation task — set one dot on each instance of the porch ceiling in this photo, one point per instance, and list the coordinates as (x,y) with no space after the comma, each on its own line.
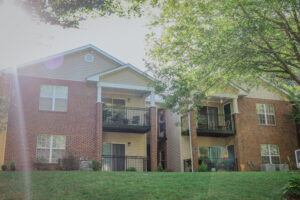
(125,91)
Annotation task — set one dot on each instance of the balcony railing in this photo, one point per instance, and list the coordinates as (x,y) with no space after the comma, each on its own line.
(218,125)
(121,163)
(126,119)
(219,164)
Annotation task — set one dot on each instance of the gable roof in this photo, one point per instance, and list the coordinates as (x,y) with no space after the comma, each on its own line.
(241,91)
(89,46)
(127,66)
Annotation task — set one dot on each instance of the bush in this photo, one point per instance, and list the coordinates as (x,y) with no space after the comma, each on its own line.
(67,163)
(131,169)
(12,166)
(292,189)
(4,167)
(203,167)
(160,168)
(96,166)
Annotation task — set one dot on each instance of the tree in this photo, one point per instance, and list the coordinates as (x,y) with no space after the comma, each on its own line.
(4,102)
(68,13)
(205,44)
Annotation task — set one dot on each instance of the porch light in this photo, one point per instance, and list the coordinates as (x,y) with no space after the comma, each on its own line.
(129,144)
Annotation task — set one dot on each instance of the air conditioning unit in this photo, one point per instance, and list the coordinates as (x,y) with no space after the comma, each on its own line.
(274,167)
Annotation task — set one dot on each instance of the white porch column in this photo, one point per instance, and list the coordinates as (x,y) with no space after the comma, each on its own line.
(235,106)
(152,97)
(99,91)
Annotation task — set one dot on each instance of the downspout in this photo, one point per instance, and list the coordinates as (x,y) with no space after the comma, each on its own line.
(191,147)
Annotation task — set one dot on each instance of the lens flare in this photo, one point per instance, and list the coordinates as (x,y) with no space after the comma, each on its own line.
(54,63)
(22,144)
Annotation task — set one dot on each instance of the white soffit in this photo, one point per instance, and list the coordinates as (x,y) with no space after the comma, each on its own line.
(127,66)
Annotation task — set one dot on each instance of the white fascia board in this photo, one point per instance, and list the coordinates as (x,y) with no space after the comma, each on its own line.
(241,91)
(224,95)
(70,52)
(124,86)
(129,66)
(274,86)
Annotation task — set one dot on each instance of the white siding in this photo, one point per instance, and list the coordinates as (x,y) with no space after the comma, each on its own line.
(73,67)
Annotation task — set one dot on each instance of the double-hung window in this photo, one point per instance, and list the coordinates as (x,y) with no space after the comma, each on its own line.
(53,98)
(270,154)
(50,148)
(265,114)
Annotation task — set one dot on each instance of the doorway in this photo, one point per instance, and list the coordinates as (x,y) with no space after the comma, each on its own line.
(113,157)
(227,116)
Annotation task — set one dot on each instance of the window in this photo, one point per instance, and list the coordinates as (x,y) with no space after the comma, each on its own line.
(269,154)
(50,148)
(114,102)
(53,98)
(212,152)
(265,114)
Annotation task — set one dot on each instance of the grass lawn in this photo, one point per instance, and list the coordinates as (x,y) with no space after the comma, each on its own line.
(138,185)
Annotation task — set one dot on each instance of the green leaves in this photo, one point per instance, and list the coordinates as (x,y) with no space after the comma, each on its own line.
(68,13)
(203,45)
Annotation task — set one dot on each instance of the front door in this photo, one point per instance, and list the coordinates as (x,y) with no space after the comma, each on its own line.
(113,158)
(231,156)
(208,117)
(119,157)
(227,113)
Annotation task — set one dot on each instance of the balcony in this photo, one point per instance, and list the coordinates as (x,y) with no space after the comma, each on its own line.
(121,163)
(126,119)
(215,125)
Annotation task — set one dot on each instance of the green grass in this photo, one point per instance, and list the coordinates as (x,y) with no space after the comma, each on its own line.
(137,185)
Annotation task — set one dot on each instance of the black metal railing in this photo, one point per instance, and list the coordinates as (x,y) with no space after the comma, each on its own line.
(121,163)
(228,164)
(218,164)
(126,118)
(216,122)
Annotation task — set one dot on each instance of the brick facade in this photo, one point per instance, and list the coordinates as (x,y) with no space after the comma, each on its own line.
(153,139)
(194,141)
(78,124)
(99,132)
(249,134)
(81,124)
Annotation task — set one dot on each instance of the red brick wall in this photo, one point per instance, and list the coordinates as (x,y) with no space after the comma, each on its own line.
(250,135)
(153,138)
(78,124)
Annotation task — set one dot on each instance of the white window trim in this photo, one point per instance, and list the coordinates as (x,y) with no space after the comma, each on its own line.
(53,96)
(269,152)
(265,114)
(51,148)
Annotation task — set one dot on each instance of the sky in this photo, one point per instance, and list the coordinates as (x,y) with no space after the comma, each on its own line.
(23,40)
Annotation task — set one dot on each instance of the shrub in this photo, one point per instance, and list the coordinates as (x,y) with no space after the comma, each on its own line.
(12,166)
(292,189)
(160,168)
(4,167)
(131,169)
(67,163)
(203,167)
(96,166)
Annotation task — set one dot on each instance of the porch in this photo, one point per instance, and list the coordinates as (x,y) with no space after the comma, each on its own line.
(121,163)
(126,119)
(216,157)
(215,118)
